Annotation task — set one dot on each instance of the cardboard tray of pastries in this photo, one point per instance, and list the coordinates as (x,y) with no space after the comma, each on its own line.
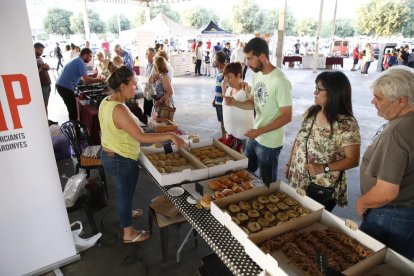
(315,244)
(218,157)
(263,209)
(172,168)
(229,184)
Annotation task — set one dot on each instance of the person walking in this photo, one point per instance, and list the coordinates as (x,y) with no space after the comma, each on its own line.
(58,54)
(199,58)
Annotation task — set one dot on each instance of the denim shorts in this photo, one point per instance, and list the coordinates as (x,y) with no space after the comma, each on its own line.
(392,226)
(125,172)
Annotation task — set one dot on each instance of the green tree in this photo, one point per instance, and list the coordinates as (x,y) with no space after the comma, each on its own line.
(96,25)
(306,26)
(166,10)
(198,17)
(139,19)
(344,28)
(113,23)
(382,17)
(57,21)
(271,22)
(408,25)
(247,17)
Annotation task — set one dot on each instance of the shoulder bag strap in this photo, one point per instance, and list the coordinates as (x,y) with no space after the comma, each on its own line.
(338,181)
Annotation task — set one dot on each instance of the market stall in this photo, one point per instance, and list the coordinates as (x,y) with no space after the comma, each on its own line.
(159,28)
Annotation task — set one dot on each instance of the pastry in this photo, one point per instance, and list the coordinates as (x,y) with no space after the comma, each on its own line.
(290,201)
(215,185)
(273,198)
(233,208)
(302,211)
(227,192)
(253,227)
(162,156)
(244,205)
(246,230)
(168,162)
(161,163)
(169,156)
(206,201)
(176,155)
(272,208)
(282,216)
(168,169)
(222,179)
(221,154)
(269,216)
(263,199)
(292,214)
(281,195)
(253,213)
(263,222)
(247,185)
(154,156)
(234,177)
(242,217)
(244,175)
(282,206)
(257,206)
(237,189)
(183,161)
(218,195)
(236,220)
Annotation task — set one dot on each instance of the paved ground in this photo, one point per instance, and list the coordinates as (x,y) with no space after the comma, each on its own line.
(193,97)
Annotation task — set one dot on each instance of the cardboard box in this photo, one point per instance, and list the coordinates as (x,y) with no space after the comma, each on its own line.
(162,125)
(239,161)
(324,220)
(393,264)
(197,172)
(218,206)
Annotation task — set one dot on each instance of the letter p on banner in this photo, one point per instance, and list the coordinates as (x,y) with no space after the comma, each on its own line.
(12,100)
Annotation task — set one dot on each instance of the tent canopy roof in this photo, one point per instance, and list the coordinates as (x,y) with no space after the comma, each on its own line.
(212,28)
(164,26)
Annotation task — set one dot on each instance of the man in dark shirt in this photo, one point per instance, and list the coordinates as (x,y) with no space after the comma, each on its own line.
(58,54)
(43,69)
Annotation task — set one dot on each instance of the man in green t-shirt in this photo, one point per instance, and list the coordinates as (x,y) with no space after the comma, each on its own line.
(272,101)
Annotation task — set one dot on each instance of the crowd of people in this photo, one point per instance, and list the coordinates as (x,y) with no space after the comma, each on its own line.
(326,146)
(392,57)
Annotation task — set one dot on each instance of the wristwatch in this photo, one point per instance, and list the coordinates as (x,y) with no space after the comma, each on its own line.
(326,168)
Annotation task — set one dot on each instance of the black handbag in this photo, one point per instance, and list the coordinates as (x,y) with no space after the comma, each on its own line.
(321,194)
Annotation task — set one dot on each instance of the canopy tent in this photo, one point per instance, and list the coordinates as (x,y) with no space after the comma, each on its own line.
(213,30)
(165,27)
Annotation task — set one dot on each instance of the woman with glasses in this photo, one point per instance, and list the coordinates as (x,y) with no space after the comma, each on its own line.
(121,138)
(327,144)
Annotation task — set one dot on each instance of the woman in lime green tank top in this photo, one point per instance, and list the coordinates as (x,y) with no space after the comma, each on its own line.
(121,138)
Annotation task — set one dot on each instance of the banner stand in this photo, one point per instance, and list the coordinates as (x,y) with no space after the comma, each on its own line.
(36,236)
(54,266)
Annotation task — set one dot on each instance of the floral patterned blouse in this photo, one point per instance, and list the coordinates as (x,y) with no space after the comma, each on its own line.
(323,149)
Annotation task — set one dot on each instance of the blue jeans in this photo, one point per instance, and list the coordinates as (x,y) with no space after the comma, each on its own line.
(393,227)
(263,158)
(125,173)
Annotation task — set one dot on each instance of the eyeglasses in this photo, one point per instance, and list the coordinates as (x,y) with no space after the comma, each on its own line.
(318,89)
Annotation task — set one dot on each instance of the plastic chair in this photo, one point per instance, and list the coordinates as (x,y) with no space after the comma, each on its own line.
(79,138)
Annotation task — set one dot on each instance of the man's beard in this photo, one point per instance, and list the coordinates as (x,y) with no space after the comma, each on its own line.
(258,68)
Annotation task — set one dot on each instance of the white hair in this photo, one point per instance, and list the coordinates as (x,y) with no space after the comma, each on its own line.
(397,81)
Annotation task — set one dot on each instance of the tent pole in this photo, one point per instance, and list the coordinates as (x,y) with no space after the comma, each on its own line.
(281,34)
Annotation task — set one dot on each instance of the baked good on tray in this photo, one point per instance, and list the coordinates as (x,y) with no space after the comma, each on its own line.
(266,214)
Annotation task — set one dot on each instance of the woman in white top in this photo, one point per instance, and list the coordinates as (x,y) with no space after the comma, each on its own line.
(369,57)
(236,121)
